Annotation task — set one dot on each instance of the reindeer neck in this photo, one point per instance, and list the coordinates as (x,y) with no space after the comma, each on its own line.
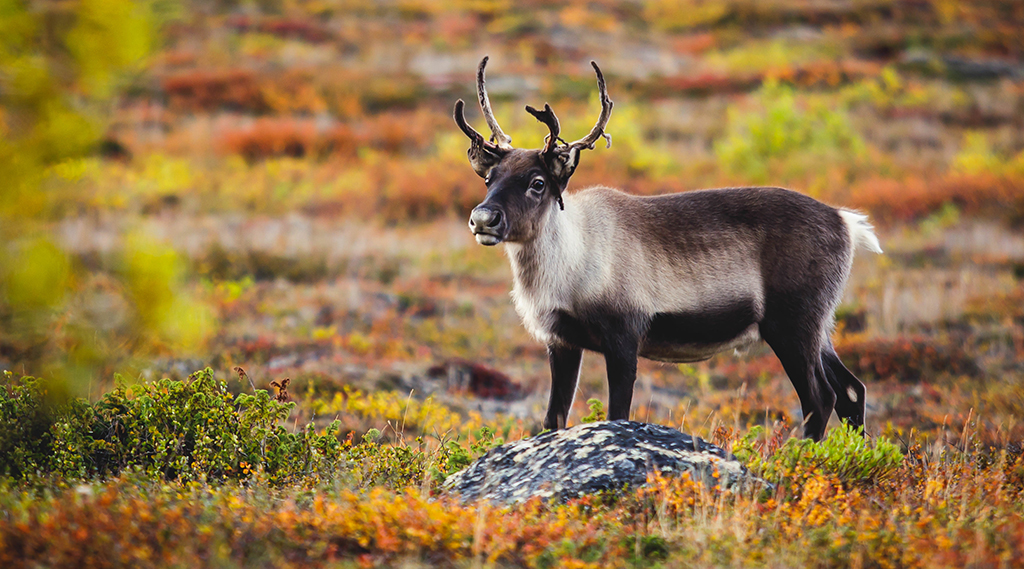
(551,260)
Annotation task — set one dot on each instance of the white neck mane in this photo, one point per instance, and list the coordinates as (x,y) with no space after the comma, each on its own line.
(549,272)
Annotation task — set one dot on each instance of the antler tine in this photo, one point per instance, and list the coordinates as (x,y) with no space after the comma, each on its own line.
(483,155)
(501,139)
(602,121)
(460,119)
(547,116)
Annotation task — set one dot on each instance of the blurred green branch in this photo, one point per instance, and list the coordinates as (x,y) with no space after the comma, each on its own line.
(60,65)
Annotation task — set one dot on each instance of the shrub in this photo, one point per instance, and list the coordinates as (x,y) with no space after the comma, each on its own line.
(267,137)
(395,465)
(173,430)
(211,89)
(781,130)
(597,412)
(908,359)
(453,456)
(196,430)
(845,453)
(27,427)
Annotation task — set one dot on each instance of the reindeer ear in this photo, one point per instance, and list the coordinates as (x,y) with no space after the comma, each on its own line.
(562,162)
(483,155)
(482,159)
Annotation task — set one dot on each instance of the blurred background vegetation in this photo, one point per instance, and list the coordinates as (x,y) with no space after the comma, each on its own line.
(278,183)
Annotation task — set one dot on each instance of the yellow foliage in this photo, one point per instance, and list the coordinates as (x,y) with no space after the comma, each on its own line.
(401,410)
(36,276)
(108,37)
(684,15)
(153,275)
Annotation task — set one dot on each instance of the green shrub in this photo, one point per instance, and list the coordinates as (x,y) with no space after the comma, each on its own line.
(395,465)
(597,412)
(398,465)
(453,456)
(845,453)
(26,427)
(173,430)
(783,133)
(196,430)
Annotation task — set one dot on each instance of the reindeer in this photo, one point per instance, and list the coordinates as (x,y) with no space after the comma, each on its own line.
(671,278)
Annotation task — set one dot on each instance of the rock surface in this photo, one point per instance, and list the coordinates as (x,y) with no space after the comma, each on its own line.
(592,457)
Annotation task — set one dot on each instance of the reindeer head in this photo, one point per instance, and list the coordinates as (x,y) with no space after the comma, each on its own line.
(522,184)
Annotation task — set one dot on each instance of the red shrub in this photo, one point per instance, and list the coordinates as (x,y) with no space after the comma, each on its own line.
(694,44)
(476,379)
(296,28)
(272,137)
(204,90)
(906,359)
(708,83)
(914,197)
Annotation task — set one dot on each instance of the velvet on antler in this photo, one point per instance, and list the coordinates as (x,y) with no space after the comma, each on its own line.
(563,156)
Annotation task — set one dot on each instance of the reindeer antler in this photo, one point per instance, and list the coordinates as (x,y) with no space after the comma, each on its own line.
(483,154)
(547,116)
(502,140)
(602,121)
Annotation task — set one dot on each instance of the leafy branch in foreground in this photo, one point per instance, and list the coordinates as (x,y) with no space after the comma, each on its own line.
(174,430)
(197,430)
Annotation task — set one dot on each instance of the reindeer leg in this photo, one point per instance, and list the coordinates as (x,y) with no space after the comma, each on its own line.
(801,359)
(620,362)
(565,373)
(850,392)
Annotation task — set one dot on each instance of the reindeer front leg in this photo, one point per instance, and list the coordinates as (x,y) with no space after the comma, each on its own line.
(620,362)
(565,373)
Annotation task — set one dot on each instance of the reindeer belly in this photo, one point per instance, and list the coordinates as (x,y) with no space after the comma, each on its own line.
(694,352)
(690,337)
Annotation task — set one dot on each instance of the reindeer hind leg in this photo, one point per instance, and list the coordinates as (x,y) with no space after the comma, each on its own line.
(850,391)
(801,358)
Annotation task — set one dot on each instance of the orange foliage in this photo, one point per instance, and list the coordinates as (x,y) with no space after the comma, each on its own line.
(392,133)
(426,189)
(294,91)
(272,137)
(695,44)
(910,198)
(204,90)
(826,73)
(403,131)
(297,28)
(110,525)
(906,358)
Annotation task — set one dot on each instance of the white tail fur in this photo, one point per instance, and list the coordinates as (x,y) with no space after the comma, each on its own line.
(862,234)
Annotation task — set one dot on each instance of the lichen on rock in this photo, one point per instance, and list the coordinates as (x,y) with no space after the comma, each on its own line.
(589,458)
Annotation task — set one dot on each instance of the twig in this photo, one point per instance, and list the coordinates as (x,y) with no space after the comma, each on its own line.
(242,375)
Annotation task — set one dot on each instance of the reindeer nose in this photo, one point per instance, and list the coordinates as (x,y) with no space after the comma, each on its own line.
(484,217)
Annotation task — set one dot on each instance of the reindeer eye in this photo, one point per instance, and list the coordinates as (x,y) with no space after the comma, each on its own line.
(537,185)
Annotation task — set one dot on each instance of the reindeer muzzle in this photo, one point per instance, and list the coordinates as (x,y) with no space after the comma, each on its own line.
(487,224)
